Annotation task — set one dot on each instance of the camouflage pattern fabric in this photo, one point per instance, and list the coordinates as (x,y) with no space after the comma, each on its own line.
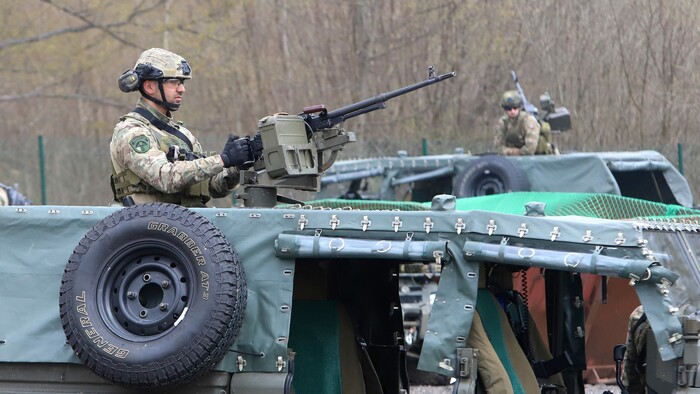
(11,196)
(172,65)
(521,133)
(141,147)
(634,363)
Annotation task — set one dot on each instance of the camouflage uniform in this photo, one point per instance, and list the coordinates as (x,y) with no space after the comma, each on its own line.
(139,149)
(521,132)
(155,159)
(634,363)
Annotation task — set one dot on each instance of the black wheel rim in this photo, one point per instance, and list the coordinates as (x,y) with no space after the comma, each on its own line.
(144,291)
(488,184)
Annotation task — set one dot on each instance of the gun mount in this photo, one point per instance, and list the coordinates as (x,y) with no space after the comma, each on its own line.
(297,149)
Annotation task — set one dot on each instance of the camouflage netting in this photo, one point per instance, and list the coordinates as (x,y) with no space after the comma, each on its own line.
(604,206)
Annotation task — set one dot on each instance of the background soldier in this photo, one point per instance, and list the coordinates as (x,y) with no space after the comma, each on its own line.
(517,132)
(11,196)
(634,363)
(157,159)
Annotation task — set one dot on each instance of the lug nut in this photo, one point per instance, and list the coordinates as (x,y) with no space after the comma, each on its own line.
(165,284)
(146,277)
(131,295)
(163,306)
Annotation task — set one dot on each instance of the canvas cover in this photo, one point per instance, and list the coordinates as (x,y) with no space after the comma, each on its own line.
(36,242)
(582,172)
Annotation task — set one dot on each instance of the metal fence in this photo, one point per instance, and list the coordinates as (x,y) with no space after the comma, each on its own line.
(75,170)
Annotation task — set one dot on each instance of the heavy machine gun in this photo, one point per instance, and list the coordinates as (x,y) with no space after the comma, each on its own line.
(297,149)
(558,118)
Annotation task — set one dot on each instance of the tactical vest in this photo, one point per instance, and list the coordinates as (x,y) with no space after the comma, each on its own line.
(514,136)
(126,182)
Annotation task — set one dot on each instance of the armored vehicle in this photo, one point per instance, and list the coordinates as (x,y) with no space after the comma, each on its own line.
(645,175)
(153,296)
(269,297)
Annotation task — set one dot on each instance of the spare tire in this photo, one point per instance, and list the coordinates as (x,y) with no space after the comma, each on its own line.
(490,175)
(153,296)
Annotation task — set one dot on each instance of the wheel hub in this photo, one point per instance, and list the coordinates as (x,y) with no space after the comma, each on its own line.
(148,295)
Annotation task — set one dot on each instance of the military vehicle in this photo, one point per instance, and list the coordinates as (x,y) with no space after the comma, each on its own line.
(304,298)
(644,175)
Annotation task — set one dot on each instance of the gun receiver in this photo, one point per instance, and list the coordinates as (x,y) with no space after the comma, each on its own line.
(293,146)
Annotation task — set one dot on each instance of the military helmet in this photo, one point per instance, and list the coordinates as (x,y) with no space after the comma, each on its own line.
(154,64)
(546,102)
(511,99)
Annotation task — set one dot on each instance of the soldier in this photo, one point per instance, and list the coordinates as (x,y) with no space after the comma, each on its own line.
(11,196)
(634,363)
(154,158)
(518,132)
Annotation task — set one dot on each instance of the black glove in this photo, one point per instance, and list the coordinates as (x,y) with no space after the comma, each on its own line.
(237,152)
(257,146)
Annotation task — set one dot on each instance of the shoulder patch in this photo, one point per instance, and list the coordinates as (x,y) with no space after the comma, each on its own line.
(140,144)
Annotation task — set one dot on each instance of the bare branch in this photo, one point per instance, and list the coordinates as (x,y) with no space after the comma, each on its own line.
(87,26)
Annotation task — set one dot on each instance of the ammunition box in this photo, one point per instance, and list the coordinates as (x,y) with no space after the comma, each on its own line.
(559,120)
(287,149)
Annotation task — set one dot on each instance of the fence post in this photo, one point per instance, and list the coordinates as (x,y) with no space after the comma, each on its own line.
(42,171)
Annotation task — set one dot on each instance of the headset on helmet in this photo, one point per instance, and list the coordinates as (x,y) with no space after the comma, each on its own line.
(155,64)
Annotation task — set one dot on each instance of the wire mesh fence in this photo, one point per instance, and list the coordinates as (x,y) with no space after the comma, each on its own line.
(75,170)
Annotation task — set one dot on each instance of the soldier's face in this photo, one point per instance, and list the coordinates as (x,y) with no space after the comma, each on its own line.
(174,90)
(512,112)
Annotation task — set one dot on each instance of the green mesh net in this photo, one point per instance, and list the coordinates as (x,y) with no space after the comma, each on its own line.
(371,205)
(604,206)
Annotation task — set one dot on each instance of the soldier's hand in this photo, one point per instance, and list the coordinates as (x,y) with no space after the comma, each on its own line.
(257,146)
(238,152)
(511,151)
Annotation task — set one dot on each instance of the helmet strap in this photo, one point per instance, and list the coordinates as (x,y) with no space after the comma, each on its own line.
(167,105)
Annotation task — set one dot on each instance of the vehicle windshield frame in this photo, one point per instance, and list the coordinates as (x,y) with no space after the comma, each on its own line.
(678,251)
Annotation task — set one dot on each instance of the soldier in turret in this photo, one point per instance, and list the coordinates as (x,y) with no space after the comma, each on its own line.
(518,132)
(154,158)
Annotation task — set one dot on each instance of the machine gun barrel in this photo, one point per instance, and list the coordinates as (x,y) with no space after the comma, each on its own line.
(325,120)
(529,107)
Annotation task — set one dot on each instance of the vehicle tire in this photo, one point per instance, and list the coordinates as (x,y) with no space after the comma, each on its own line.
(153,296)
(490,175)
